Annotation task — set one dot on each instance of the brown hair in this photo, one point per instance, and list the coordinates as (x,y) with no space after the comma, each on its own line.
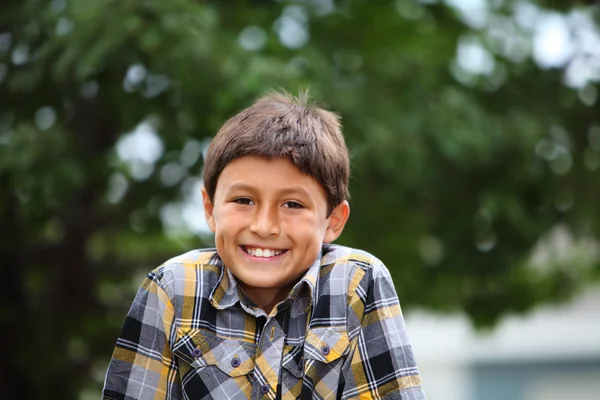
(279,125)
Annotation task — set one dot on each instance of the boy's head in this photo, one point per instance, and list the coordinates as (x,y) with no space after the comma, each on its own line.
(276,189)
(280,126)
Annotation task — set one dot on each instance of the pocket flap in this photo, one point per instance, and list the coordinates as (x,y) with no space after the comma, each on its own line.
(200,348)
(326,344)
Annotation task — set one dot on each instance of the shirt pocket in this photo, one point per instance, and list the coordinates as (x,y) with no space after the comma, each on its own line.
(326,345)
(324,353)
(202,350)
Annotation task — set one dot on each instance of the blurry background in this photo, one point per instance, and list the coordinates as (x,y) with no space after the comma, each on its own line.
(474,130)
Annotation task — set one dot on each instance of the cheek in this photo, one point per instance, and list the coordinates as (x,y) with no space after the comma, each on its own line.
(226,219)
(230,229)
(307,230)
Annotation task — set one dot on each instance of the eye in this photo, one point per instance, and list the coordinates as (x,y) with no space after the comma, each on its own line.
(244,200)
(293,204)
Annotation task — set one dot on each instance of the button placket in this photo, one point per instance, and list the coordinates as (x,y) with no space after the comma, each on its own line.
(264,389)
(268,359)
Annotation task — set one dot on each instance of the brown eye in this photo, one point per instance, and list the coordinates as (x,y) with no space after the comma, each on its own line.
(244,200)
(293,204)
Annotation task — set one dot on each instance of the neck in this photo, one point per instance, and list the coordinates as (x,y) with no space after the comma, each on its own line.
(266,299)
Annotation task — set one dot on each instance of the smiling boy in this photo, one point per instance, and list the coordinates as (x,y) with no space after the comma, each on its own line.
(275,311)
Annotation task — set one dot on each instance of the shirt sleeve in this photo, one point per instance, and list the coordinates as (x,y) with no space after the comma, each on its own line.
(142,365)
(380,364)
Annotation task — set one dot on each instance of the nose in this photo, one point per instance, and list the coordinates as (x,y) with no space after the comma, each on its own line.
(265,222)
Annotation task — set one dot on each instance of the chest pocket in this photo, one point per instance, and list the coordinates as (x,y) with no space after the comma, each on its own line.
(324,354)
(326,345)
(199,349)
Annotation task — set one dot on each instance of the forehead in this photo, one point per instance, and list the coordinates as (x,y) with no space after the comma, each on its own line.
(275,174)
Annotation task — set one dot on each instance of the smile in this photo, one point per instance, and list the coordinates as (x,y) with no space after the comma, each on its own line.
(262,252)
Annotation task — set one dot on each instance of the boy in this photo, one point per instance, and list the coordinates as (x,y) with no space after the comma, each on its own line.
(275,311)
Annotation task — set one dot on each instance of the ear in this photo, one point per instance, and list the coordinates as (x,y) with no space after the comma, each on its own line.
(337,221)
(208,209)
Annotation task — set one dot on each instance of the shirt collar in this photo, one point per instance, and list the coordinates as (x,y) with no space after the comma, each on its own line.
(226,292)
(310,280)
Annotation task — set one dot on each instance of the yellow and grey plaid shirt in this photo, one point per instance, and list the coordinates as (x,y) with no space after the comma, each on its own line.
(191,333)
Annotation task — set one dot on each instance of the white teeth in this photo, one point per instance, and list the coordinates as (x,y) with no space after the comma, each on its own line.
(264,253)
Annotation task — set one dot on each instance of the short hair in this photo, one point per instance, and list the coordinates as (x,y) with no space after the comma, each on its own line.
(282,126)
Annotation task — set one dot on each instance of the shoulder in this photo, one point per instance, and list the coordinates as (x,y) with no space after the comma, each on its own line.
(187,270)
(349,280)
(338,258)
(352,266)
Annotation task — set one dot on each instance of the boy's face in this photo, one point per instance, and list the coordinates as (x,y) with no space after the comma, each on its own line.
(270,221)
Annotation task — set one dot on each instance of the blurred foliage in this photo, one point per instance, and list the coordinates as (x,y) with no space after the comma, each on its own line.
(475,171)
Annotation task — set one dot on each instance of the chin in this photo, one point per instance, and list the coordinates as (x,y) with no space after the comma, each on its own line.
(263,283)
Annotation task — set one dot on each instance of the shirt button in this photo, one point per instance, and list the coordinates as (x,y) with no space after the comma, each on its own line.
(235,362)
(196,352)
(264,389)
(325,350)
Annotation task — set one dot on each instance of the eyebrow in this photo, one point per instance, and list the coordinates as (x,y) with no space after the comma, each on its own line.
(288,191)
(241,186)
(295,190)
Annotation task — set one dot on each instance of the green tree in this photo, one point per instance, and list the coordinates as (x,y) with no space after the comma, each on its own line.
(466,152)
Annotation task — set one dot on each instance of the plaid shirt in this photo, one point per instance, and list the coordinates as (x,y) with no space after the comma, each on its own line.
(191,333)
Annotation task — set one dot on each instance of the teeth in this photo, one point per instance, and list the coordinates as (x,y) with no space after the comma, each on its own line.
(264,253)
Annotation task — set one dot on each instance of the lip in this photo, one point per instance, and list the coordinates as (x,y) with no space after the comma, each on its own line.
(262,259)
(257,246)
